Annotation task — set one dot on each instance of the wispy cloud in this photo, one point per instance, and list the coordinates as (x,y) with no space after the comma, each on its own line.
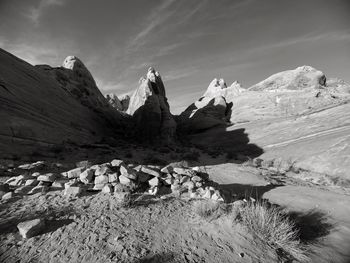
(35,12)
(179,74)
(157,17)
(38,53)
(311,37)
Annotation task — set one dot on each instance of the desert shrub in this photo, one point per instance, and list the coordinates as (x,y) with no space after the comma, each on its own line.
(273,225)
(209,209)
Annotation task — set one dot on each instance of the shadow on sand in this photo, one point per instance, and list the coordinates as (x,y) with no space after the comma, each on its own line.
(234,144)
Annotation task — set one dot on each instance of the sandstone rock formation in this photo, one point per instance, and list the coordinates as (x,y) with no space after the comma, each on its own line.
(44,106)
(213,109)
(150,109)
(296,79)
(120,103)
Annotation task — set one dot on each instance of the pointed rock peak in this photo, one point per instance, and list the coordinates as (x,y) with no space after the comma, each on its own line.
(218,87)
(153,75)
(72,62)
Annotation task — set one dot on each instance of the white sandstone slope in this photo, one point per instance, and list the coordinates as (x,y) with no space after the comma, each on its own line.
(295,115)
(45,106)
(296,79)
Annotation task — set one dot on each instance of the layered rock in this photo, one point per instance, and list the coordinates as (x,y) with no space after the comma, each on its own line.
(43,106)
(213,109)
(121,103)
(150,109)
(296,79)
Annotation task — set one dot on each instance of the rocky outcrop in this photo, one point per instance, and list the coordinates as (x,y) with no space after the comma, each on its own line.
(219,88)
(213,109)
(150,109)
(76,79)
(296,79)
(44,106)
(120,103)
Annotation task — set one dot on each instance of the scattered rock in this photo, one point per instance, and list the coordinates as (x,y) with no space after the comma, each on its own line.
(74,173)
(124,180)
(107,189)
(73,190)
(39,189)
(113,178)
(128,172)
(31,228)
(87,176)
(154,181)
(103,169)
(152,171)
(7,196)
(117,163)
(48,177)
(32,182)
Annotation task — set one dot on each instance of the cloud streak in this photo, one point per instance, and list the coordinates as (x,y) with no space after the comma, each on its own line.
(36,12)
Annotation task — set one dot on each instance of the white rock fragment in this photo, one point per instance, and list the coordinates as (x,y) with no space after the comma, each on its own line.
(31,228)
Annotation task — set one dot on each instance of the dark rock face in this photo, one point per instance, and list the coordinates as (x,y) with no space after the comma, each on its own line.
(120,103)
(44,106)
(211,110)
(150,109)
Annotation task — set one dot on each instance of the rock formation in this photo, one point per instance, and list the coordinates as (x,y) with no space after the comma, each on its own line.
(213,109)
(150,109)
(44,106)
(296,79)
(120,103)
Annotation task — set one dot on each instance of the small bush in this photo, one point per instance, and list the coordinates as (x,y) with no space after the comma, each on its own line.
(209,209)
(273,226)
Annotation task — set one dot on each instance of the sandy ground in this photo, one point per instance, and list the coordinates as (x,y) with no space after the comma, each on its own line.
(93,228)
(321,213)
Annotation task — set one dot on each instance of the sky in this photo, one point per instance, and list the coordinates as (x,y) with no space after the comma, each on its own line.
(189,42)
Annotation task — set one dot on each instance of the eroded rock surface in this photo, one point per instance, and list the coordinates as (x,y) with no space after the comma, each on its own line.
(150,109)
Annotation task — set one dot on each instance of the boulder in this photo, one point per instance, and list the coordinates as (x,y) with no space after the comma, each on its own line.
(74,173)
(185,171)
(101,179)
(103,169)
(23,189)
(31,182)
(31,228)
(117,163)
(7,196)
(48,177)
(87,176)
(39,189)
(107,189)
(124,180)
(128,172)
(113,178)
(73,190)
(149,109)
(151,171)
(212,109)
(154,181)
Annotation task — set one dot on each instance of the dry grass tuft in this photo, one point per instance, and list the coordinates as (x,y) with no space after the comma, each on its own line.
(272,225)
(209,209)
